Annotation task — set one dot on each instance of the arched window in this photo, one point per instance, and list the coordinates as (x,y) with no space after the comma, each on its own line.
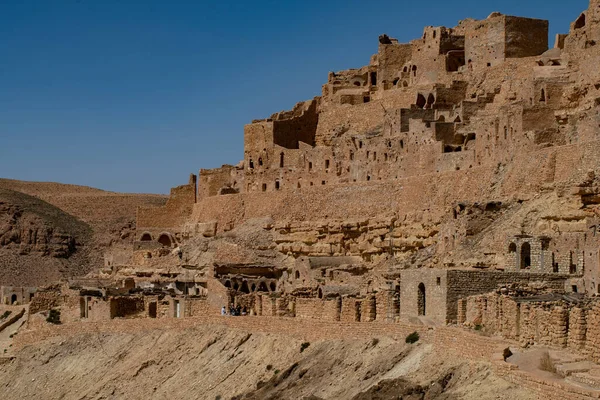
(228,284)
(512,248)
(421,299)
(260,162)
(146,237)
(262,287)
(251,164)
(281,163)
(421,102)
(543,96)
(414,69)
(277,184)
(297,274)
(273,286)
(165,240)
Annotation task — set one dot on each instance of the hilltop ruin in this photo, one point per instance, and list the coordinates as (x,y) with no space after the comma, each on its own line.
(445,175)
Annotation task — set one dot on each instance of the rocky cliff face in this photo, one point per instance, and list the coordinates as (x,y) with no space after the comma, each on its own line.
(29,233)
(39,242)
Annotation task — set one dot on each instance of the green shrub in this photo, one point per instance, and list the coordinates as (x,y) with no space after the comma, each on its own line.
(53,317)
(304,346)
(478,327)
(412,338)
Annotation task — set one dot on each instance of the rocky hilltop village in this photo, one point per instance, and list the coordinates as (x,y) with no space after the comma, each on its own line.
(453,180)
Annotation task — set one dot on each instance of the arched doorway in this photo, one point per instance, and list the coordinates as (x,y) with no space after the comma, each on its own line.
(146,237)
(262,287)
(245,288)
(525,255)
(13,299)
(165,240)
(421,102)
(421,299)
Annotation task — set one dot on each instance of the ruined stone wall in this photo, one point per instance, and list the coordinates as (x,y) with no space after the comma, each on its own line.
(225,180)
(403,196)
(195,307)
(464,283)
(525,37)
(550,323)
(173,214)
(351,310)
(391,58)
(46,299)
(127,307)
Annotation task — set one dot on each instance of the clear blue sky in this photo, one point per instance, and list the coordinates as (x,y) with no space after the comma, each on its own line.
(132,96)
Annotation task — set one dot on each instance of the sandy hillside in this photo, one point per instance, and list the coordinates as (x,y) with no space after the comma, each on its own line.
(216,362)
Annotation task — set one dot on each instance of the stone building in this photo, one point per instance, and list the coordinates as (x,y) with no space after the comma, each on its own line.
(444,167)
(16,294)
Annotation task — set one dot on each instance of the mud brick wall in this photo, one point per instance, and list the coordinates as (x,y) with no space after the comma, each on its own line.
(593,333)
(320,309)
(464,283)
(173,214)
(164,309)
(285,307)
(577,329)
(368,309)
(384,304)
(559,318)
(98,309)
(349,312)
(509,318)
(196,307)
(46,299)
(124,307)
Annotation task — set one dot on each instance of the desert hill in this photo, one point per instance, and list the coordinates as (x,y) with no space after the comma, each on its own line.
(52,230)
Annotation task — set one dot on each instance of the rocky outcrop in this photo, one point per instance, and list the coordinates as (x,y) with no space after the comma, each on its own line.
(29,233)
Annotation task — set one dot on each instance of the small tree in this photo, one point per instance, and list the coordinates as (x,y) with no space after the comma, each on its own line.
(53,317)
